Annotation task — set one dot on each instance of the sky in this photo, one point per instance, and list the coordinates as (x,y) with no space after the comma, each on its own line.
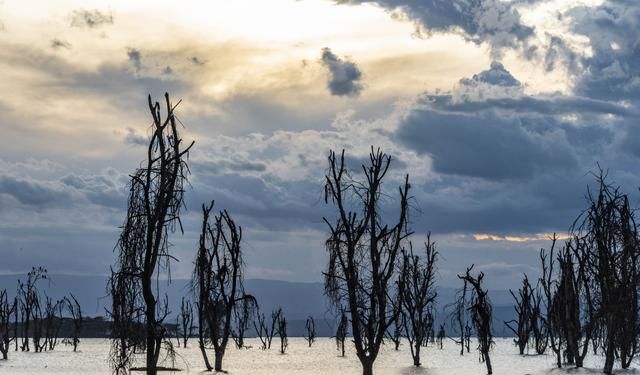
(498,110)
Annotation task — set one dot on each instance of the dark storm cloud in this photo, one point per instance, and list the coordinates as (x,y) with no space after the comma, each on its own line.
(33,192)
(223,166)
(493,21)
(344,76)
(90,18)
(489,145)
(510,163)
(613,69)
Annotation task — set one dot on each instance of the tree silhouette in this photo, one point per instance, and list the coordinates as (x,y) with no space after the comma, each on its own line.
(418,295)
(363,251)
(218,281)
(75,311)
(310,330)
(185,321)
(6,309)
(480,311)
(153,211)
(523,308)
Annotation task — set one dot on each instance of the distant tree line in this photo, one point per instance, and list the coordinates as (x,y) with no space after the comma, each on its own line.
(33,321)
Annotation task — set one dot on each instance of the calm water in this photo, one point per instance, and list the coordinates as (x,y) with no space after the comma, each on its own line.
(322,358)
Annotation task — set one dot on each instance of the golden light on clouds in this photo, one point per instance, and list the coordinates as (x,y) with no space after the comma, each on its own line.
(535,237)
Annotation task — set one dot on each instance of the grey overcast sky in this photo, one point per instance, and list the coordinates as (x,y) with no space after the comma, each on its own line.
(497,109)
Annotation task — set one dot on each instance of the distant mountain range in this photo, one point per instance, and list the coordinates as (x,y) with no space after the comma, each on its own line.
(297,299)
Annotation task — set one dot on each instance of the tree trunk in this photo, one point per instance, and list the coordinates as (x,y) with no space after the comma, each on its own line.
(416,355)
(487,360)
(609,357)
(367,367)
(204,354)
(218,364)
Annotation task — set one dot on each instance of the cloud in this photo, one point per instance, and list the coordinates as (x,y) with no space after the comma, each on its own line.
(494,21)
(223,166)
(33,192)
(344,76)
(58,43)
(90,18)
(196,61)
(133,138)
(135,58)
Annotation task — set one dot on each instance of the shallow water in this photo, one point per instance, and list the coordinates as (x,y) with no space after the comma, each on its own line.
(321,358)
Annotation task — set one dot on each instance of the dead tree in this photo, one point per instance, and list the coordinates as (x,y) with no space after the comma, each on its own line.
(218,280)
(429,332)
(467,337)
(127,322)
(480,311)
(6,309)
(441,336)
(521,327)
(37,318)
(282,332)
(264,331)
(364,252)
(29,301)
(75,312)
(153,211)
(607,246)
(310,330)
(52,322)
(549,285)
(185,321)
(341,332)
(395,335)
(418,295)
(242,318)
(458,316)
(538,328)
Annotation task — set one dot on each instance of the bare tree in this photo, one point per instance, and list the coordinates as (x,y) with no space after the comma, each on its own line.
(29,301)
(341,332)
(218,280)
(480,311)
(523,308)
(264,331)
(310,330)
(607,247)
(441,336)
(538,328)
(458,317)
(242,318)
(75,311)
(418,295)
(127,322)
(364,252)
(185,321)
(153,211)
(282,332)
(549,289)
(6,309)
(52,322)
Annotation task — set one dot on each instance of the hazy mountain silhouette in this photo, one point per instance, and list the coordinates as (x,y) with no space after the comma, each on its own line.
(297,299)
